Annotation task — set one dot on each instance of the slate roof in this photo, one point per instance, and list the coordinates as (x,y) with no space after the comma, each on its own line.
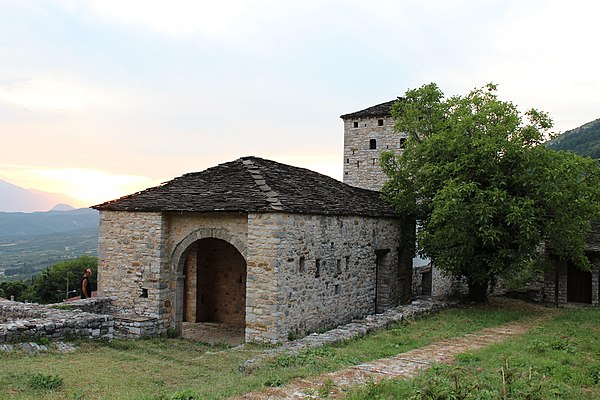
(380,110)
(252,184)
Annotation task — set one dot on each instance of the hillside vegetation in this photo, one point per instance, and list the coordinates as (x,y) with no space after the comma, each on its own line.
(584,140)
(31,242)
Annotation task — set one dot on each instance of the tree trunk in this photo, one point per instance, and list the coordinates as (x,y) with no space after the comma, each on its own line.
(478,291)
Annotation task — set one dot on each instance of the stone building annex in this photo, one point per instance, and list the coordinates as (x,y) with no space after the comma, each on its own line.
(273,249)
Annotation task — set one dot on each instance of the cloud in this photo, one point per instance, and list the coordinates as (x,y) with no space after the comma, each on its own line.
(180,17)
(55,93)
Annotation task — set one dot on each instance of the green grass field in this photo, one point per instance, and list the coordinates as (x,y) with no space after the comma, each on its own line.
(558,360)
(163,368)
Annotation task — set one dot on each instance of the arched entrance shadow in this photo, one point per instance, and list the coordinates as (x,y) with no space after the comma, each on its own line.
(210,299)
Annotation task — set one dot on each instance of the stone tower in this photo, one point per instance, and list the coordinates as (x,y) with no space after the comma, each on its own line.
(368,133)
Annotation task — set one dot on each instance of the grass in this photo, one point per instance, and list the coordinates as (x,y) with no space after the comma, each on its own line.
(164,368)
(560,359)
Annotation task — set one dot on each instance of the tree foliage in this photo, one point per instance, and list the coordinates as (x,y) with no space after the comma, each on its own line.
(484,189)
(51,285)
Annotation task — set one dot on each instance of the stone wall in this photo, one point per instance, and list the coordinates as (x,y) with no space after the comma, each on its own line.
(131,261)
(28,322)
(304,272)
(361,162)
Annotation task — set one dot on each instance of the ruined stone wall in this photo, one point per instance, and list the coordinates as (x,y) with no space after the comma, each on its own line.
(361,163)
(24,322)
(131,261)
(309,272)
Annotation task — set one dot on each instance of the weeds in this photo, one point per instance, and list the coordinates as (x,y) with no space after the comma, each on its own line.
(45,382)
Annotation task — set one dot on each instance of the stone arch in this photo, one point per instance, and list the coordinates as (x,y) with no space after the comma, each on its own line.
(178,260)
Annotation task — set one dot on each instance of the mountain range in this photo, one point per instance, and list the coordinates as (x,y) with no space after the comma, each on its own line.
(14,198)
(584,140)
(31,242)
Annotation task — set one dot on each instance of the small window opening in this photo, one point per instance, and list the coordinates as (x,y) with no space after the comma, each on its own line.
(144,294)
(358,164)
(374,161)
(317,268)
(301,266)
(347,262)
(347,161)
(355,124)
(336,289)
(372,144)
(346,173)
(402,142)
(338,266)
(379,122)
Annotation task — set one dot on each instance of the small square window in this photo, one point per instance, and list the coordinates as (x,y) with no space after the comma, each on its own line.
(379,122)
(355,124)
(144,294)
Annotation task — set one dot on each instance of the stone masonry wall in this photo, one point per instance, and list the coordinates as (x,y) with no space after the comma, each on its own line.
(131,261)
(308,272)
(25,322)
(361,163)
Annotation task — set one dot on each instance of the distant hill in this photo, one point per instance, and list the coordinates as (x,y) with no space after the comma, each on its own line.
(584,140)
(14,198)
(31,242)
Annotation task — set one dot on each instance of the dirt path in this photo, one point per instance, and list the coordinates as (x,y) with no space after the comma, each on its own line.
(404,365)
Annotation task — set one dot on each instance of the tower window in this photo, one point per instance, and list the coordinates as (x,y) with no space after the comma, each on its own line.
(347,161)
(402,142)
(317,268)
(379,122)
(372,144)
(355,124)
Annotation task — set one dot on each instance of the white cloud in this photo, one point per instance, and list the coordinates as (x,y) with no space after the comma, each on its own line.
(55,93)
(181,17)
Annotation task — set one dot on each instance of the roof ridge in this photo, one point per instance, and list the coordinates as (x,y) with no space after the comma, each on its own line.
(259,180)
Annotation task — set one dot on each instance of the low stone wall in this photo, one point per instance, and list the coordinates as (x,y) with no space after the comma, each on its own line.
(26,322)
(135,327)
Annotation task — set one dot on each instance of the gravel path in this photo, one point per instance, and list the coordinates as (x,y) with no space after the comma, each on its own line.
(403,366)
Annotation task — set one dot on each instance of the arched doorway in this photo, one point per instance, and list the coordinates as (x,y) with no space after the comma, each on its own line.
(214,291)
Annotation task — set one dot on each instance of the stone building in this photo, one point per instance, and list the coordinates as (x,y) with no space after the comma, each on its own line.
(567,283)
(368,133)
(276,250)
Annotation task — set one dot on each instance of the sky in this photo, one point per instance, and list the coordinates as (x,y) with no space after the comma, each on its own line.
(102,98)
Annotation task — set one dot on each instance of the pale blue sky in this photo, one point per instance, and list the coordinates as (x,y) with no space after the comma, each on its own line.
(101,98)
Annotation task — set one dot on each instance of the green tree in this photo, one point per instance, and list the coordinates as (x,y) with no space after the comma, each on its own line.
(51,284)
(484,190)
